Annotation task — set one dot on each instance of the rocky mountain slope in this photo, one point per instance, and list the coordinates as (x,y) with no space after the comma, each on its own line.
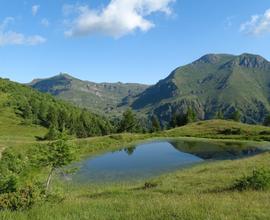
(102,97)
(215,82)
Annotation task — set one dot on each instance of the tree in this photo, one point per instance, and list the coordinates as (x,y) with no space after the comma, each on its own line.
(190,116)
(183,119)
(63,119)
(26,111)
(267,120)
(219,115)
(155,124)
(52,117)
(236,116)
(53,134)
(128,122)
(80,130)
(130,150)
(55,155)
(173,122)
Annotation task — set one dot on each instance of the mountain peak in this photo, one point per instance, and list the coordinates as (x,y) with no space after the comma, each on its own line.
(64,75)
(250,61)
(213,58)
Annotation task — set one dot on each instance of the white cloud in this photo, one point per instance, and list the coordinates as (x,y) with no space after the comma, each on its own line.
(35,9)
(6,22)
(14,38)
(118,18)
(45,22)
(8,37)
(257,25)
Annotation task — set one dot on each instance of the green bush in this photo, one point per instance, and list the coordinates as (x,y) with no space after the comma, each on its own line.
(231,131)
(8,184)
(149,185)
(259,180)
(23,199)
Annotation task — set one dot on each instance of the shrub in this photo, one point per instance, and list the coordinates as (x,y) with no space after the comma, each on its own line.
(23,199)
(8,184)
(149,185)
(259,180)
(264,133)
(231,131)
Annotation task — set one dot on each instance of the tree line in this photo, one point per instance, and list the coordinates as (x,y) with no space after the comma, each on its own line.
(42,109)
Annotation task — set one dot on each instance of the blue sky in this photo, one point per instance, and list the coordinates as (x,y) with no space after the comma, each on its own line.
(125,40)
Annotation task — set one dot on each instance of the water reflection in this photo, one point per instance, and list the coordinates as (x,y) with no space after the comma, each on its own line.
(130,150)
(154,158)
(217,150)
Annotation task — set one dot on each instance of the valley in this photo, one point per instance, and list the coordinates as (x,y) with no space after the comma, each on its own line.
(215,83)
(101,125)
(134,110)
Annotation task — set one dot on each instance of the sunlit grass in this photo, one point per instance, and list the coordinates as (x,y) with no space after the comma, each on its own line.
(200,192)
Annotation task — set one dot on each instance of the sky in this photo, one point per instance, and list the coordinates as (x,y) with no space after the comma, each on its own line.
(125,40)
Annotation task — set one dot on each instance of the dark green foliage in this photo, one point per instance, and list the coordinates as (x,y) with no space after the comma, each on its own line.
(150,185)
(130,150)
(11,163)
(219,115)
(231,131)
(183,119)
(14,193)
(178,120)
(129,122)
(44,110)
(236,116)
(259,180)
(22,199)
(8,184)
(267,120)
(53,134)
(155,124)
(191,116)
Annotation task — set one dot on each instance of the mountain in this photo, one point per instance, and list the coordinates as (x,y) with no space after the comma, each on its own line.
(102,97)
(213,83)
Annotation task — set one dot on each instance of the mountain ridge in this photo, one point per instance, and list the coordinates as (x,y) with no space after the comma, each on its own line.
(213,82)
(104,97)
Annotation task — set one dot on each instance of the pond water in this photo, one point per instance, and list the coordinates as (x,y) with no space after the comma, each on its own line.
(155,158)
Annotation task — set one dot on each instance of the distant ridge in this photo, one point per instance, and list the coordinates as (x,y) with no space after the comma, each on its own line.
(101,97)
(213,83)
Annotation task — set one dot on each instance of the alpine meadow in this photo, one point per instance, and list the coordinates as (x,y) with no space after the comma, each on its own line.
(134,110)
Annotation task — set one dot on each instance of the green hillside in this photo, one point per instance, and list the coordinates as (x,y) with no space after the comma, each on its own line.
(198,192)
(101,97)
(22,108)
(215,82)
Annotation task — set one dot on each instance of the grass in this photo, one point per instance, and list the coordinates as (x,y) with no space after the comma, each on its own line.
(199,192)
(13,131)
(220,129)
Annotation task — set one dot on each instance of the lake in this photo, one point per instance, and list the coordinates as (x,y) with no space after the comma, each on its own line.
(154,158)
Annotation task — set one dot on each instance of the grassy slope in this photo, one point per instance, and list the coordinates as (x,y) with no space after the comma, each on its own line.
(216,128)
(195,193)
(14,133)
